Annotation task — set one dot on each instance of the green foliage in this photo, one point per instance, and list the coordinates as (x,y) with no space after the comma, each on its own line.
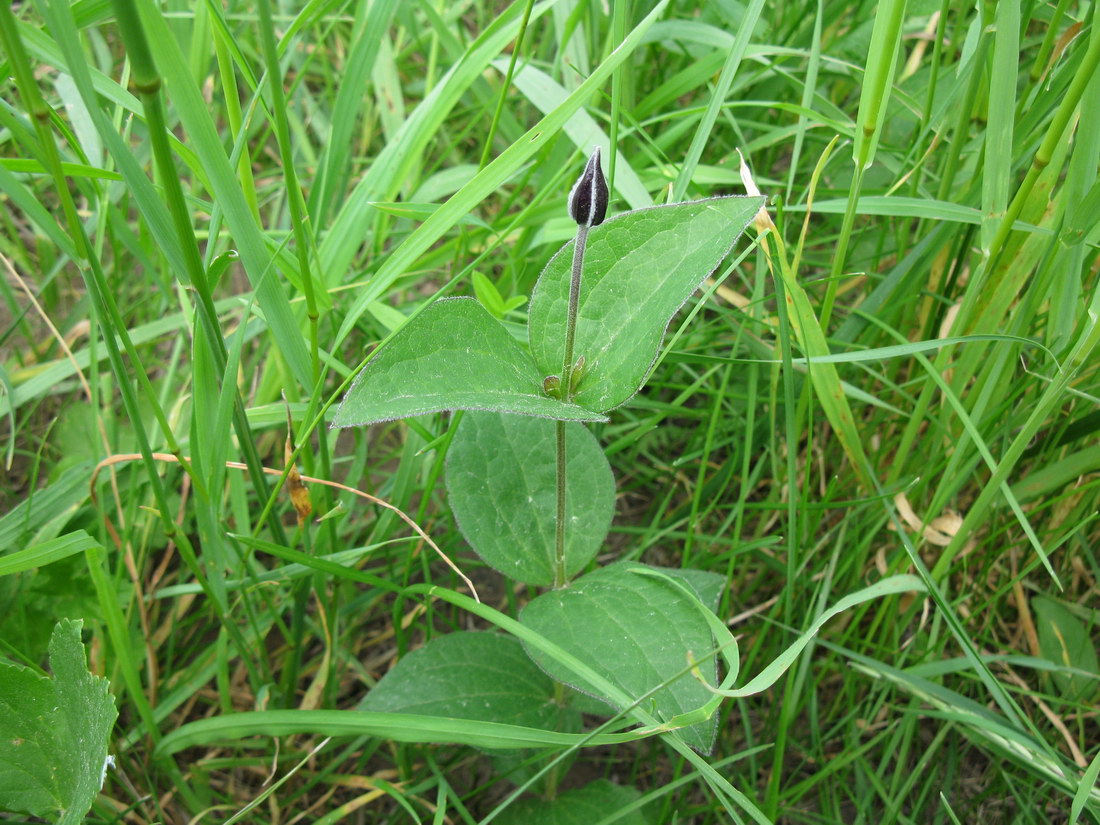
(491,299)
(481,676)
(501,479)
(54,733)
(209,213)
(1064,640)
(639,268)
(453,356)
(635,631)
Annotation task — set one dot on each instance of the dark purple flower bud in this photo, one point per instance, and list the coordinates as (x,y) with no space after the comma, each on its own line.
(588,200)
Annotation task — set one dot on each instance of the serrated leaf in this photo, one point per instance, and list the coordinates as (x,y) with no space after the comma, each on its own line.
(501,481)
(582,806)
(639,268)
(1064,640)
(54,733)
(453,356)
(482,676)
(635,631)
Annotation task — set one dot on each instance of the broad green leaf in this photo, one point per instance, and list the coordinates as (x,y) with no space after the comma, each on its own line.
(708,586)
(639,268)
(501,481)
(54,733)
(452,356)
(708,589)
(1064,640)
(482,676)
(595,802)
(636,632)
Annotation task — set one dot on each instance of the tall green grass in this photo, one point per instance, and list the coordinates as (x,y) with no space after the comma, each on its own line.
(211,213)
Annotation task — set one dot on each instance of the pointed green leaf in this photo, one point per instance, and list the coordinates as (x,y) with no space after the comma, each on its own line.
(581,806)
(639,268)
(482,676)
(54,733)
(501,480)
(635,631)
(452,356)
(486,292)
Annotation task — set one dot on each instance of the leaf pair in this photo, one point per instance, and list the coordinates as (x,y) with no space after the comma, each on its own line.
(639,268)
(646,639)
(635,631)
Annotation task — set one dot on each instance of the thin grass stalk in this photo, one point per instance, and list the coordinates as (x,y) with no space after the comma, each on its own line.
(1043,155)
(947,180)
(808,90)
(487,148)
(704,463)
(295,201)
(873,102)
(97,286)
(1052,395)
(108,310)
(729,71)
(148,84)
(906,229)
(560,576)
(1000,114)
(1042,57)
(42,116)
(234,118)
(774,251)
(299,219)
(620,11)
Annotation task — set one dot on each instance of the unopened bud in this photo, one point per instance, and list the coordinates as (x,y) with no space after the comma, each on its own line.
(588,200)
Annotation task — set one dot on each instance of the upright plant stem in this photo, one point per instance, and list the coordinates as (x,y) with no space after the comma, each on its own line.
(567,396)
(571,317)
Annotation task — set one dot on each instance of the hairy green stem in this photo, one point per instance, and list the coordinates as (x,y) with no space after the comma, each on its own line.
(571,316)
(567,396)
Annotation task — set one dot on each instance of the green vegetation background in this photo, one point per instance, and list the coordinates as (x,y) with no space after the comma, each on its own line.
(172,218)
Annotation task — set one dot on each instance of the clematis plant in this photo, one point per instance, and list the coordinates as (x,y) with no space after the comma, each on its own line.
(534,496)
